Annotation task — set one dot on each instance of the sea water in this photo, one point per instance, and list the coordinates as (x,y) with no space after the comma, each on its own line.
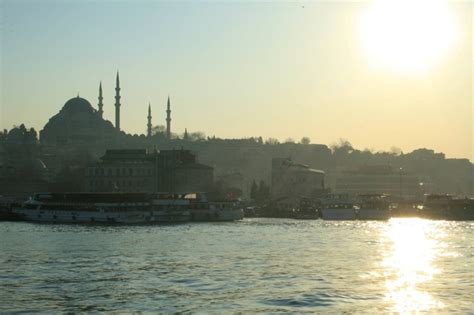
(254,265)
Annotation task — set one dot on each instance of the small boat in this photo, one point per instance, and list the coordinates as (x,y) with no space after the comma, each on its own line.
(373,207)
(337,207)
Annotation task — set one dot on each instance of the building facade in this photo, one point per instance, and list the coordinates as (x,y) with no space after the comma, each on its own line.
(148,172)
(290,179)
(379,179)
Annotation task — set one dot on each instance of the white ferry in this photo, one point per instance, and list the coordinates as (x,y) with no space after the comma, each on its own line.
(337,207)
(126,208)
(120,208)
(373,207)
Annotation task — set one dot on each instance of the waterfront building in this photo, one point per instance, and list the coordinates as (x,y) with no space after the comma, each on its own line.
(290,179)
(233,185)
(148,172)
(378,179)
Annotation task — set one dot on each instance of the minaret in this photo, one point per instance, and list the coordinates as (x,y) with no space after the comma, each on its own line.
(168,119)
(117,103)
(100,105)
(148,134)
(186,136)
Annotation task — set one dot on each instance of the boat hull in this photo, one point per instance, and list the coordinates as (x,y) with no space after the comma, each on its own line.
(204,215)
(135,217)
(338,214)
(307,216)
(448,214)
(373,214)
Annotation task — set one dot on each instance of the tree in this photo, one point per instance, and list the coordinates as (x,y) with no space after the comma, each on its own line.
(197,136)
(158,129)
(263,192)
(272,141)
(253,190)
(342,146)
(396,151)
(289,140)
(305,140)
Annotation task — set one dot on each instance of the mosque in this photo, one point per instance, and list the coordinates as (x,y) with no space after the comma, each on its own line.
(79,123)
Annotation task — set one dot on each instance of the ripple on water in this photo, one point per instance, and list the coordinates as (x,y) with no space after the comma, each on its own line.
(307,300)
(257,265)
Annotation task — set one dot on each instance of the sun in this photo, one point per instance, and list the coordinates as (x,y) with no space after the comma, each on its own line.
(407,35)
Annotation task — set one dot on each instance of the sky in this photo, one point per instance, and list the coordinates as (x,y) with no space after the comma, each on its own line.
(238,69)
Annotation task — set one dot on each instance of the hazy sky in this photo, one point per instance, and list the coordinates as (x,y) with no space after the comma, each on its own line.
(240,69)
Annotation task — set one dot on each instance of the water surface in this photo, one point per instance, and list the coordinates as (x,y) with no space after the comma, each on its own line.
(256,265)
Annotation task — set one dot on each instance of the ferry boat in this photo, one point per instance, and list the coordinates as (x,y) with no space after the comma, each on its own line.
(118,208)
(7,203)
(337,207)
(204,210)
(373,207)
(447,207)
(307,210)
(126,208)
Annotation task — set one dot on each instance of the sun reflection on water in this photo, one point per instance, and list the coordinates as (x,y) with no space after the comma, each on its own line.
(409,264)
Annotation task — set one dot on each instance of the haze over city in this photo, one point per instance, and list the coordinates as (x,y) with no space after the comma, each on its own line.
(281,70)
(236,156)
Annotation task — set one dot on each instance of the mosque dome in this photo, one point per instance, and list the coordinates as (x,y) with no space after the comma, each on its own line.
(77,123)
(77,105)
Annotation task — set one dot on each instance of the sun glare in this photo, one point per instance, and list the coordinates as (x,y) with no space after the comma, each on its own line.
(410,266)
(407,35)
